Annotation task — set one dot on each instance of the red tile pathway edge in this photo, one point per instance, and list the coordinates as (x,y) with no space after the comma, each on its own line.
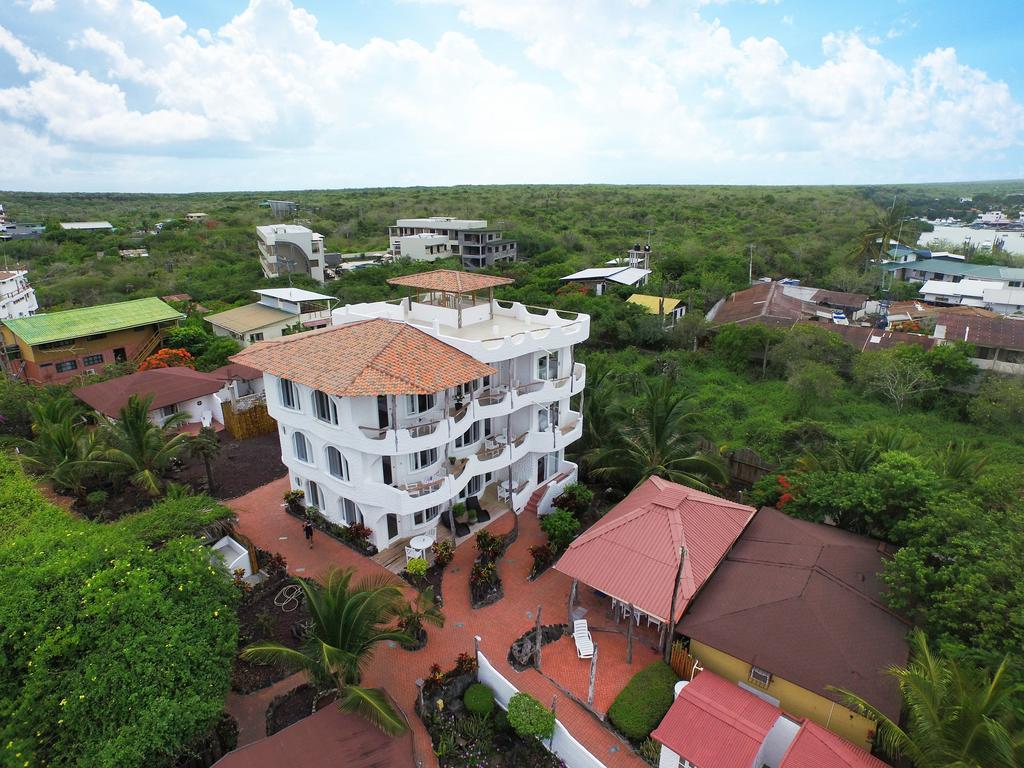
(262,519)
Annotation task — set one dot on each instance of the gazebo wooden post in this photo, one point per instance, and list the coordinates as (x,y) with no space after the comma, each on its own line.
(554,704)
(572,598)
(593,677)
(629,636)
(672,607)
(536,655)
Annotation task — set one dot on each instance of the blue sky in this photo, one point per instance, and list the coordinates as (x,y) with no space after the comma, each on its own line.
(180,95)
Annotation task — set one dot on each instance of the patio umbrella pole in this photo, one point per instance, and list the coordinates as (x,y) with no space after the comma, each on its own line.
(672,609)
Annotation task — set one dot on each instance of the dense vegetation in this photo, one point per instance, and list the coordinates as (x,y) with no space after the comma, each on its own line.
(642,704)
(115,652)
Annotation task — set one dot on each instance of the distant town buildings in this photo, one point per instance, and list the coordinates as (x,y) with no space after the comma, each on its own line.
(87,226)
(281,208)
(195,218)
(133,253)
(277,311)
(426,246)
(477,244)
(290,249)
(17,298)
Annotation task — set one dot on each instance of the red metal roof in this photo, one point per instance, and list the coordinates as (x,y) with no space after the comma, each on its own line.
(764,303)
(716,724)
(167,386)
(632,553)
(815,747)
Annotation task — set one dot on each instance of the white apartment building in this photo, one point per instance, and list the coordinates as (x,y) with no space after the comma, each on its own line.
(290,249)
(403,408)
(17,297)
(471,239)
(426,246)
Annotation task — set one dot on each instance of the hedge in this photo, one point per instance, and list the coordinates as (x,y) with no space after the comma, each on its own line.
(642,704)
(479,699)
(114,653)
(528,717)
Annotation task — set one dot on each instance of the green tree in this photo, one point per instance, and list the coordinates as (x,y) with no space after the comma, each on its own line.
(656,438)
(957,716)
(217,353)
(423,610)
(812,344)
(999,402)
(349,620)
(875,240)
(136,449)
(894,376)
(561,527)
(814,384)
(959,464)
(206,446)
(740,345)
(191,336)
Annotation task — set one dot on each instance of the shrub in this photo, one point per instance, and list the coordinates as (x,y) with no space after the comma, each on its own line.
(465,663)
(96,499)
(444,552)
(561,528)
(528,717)
(642,704)
(479,699)
(168,358)
(458,510)
(576,498)
(489,546)
(416,568)
(542,558)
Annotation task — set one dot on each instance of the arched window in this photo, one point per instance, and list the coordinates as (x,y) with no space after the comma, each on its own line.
(314,497)
(337,464)
(350,512)
(302,450)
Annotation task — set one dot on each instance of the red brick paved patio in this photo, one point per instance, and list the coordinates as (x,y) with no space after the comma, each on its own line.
(262,519)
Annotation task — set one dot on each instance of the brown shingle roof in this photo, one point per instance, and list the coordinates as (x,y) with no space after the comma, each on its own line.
(166,385)
(863,338)
(371,357)
(450,281)
(842,299)
(763,303)
(993,332)
(803,601)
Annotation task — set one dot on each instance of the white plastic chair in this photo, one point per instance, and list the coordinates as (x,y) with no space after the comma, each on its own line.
(207,418)
(411,554)
(580,627)
(584,646)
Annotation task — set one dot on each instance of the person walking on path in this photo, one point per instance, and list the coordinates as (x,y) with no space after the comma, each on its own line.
(307,528)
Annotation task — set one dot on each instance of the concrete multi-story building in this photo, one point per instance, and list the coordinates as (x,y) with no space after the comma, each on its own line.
(290,249)
(17,297)
(471,239)
(426,246)
(403,408)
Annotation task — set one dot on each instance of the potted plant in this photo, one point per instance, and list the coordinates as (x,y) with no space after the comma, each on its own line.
(471,516)
(459,510)
(451,460)
(293,500)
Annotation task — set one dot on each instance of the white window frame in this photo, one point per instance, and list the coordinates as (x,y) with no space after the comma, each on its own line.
(420,403)
(288,394)
(350,511)
(307,447)
(760,677)
(321,398)
(470,436)
(426,515)
(341,464)
(314,496)
(423,459)
(168,410)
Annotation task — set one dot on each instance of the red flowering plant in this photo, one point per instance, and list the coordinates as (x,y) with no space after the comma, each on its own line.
(168,358)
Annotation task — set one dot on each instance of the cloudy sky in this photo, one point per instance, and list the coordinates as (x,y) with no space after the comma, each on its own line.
(183,95)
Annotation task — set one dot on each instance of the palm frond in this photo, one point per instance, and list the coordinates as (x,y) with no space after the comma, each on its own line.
(373,705)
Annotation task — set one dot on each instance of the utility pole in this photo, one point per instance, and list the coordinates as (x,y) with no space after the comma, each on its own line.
(750,264)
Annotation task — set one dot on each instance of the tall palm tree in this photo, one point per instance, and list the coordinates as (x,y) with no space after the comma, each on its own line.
(137,449)
(206,446)
(876,238)
(61,443)
(423,610)
(957,716)
(656,438)
(349,619)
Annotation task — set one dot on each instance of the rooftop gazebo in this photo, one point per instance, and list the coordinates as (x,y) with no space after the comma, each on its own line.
(452,289)
(653,551)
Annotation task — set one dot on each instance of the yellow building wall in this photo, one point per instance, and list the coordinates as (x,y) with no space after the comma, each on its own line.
(793,699)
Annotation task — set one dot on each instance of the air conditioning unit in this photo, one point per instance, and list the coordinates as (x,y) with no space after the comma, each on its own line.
(760,677)
(90,371)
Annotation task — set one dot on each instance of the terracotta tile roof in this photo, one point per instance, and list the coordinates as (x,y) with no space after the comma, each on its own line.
(371,357)
(804,601)
(166,385)
(329,738)
(632,553)
(763,303)
(993,332)
(450,281)
(816,747)
(716,724)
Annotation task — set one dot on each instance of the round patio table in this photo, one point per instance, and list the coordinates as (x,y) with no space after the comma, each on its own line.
(422,542)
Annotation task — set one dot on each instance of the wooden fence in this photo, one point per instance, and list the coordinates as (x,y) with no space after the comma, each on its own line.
(746,467)
(682,662)
(248,417)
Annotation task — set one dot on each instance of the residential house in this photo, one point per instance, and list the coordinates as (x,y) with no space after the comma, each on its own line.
(667,308)
(998,342)
(196,218)
(174,390)
(864,339)
(797,607)
(425,246)
(277,311)
(52,347)
(950,267)
(400,409)
(600,279)
(714,723)
(17,297)
(87,226)
(783,304)
(19,231)
(290,249)
(477,244)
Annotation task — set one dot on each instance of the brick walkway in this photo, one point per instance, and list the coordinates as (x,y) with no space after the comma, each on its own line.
(262,519)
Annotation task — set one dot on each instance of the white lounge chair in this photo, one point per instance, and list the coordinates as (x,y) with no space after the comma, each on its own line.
(584,646)
(580,626)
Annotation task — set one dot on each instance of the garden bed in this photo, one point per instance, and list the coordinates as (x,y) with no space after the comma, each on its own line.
(432,578)
(520,653)
(260,619)
(354,537)
(485,587)
(241,466)
(299,703)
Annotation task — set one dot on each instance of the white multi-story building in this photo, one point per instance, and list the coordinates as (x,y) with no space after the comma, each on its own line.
(403,408)
(426,246)
(477,244)
(17,297)
(290,249)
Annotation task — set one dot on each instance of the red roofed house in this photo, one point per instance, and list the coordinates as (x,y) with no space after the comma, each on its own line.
(717,724)
(632,553)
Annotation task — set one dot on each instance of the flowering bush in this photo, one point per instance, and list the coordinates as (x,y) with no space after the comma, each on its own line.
(489,546)
(444,552)
(168,358)
(465,664)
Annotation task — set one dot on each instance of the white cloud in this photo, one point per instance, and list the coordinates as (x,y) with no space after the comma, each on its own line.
(628,91)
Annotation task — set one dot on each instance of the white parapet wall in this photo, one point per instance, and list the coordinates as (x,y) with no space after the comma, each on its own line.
(572,753)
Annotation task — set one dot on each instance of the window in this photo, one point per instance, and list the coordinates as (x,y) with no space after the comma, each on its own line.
(168,410)
(66,365)
(301,447)
(425,516)
(324,407)
(468,437)
(349,511)
(423,459)
(92,359)
(314,497)
(256,336)
(547,366)
(337,464)
(473,488)
(289,397)
(760,677)
(420,403)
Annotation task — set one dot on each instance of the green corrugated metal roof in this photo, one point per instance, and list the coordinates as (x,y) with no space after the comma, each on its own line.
(104,318)
(960,268)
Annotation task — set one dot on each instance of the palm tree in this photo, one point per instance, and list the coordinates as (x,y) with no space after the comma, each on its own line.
(349,619)
(876,237)
(61,443)
(206,446)
(957,716)
(656,438)
(411,616)
(136,448)
(958,463)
